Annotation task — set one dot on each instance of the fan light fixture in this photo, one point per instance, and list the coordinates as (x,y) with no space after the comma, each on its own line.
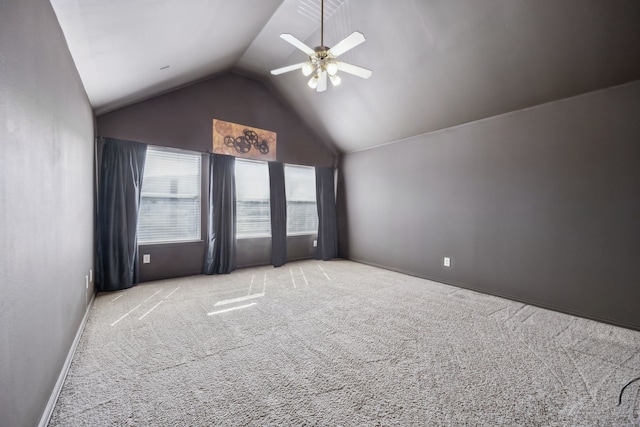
(322,64)
(332,68)
(307,69)
(313,82)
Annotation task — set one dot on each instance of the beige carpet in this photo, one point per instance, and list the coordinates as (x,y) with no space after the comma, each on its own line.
(340,343)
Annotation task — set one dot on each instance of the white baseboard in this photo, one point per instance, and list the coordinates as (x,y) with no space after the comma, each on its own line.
(48,410)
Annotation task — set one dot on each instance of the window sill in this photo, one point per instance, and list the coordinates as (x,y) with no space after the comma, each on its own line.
(257,236)
(172,242)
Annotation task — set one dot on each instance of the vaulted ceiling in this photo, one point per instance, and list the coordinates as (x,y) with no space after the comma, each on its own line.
(436,63)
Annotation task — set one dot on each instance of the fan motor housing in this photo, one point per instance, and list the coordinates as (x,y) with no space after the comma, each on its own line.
(321,52)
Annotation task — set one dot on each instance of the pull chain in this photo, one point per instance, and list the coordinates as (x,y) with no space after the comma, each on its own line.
(322,23)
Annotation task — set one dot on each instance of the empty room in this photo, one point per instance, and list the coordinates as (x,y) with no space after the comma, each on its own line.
(319,212)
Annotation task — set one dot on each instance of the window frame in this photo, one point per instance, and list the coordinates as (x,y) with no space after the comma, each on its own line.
(257,235)
(308,232)
(200,197)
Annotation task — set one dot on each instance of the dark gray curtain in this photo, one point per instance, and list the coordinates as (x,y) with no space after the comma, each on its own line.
(278,214)
(220,257)
(327,221)
(121,171)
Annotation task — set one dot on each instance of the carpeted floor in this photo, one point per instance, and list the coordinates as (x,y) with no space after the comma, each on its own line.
(341,344)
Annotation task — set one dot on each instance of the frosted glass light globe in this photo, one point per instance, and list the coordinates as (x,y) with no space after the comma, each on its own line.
(332,68)
(307,68)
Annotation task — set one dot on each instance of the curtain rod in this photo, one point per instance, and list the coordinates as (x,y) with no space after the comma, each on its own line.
(203,152)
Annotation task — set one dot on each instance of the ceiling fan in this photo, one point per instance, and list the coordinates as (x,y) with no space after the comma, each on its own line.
(322,64)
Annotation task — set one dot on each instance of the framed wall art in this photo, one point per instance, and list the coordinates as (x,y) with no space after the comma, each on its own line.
(248,142)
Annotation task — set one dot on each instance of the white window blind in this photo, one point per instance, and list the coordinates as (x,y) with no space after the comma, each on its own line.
(253,209)
(170,197)
(302,213)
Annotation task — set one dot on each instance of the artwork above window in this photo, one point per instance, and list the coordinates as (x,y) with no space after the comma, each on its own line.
(243,141)
(170,203)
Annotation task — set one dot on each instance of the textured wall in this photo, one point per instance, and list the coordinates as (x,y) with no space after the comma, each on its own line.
(46,207)
(183,119)
(540,205)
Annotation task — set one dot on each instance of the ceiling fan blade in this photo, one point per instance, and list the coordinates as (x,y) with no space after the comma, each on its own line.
(322,82)
(354,69)
(286,69)
(347,43)
(297,43)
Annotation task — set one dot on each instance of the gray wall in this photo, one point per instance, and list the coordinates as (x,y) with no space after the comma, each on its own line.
(257,251)
(46,207)
(183,119)
(540,205)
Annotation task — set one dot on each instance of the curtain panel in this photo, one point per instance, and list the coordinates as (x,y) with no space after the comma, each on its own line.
(220,256)
(327,221)
(278,214)
(120,183)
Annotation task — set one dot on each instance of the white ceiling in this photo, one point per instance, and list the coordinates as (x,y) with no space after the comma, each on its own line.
(436,63)
(121,47)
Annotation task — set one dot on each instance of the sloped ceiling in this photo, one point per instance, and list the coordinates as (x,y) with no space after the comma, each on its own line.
(128,50)
(436,63)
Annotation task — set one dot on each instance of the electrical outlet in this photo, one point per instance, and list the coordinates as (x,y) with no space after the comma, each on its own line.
(447,261)
(315,243)
(86,282)
(146,258)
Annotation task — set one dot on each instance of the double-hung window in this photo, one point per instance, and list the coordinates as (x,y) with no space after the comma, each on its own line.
(170,197)
(253,208)
(300,186)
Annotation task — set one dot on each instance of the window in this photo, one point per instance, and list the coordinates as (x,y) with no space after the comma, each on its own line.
(253,209)
(170,197)
(302,214)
